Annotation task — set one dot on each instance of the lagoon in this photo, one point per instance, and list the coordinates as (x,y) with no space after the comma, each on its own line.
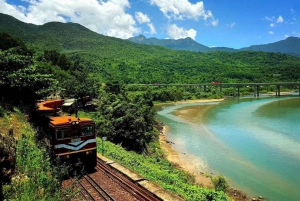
(254,142)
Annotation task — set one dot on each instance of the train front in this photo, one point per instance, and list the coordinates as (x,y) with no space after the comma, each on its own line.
(74,140)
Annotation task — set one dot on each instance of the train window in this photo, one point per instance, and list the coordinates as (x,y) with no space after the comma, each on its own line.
(86,130)
(63,133)
(75,131)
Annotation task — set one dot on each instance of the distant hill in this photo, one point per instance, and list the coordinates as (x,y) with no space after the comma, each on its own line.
(110,58)
(180,44)
(291,45)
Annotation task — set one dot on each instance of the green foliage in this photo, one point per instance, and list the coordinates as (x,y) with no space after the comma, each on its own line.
(73,78)
(35,178)
(19,79)
(125,120)
(157,169)
(2,111)
(221,183)
(7,42)
(110,58)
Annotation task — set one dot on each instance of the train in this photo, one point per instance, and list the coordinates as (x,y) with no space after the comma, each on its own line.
(69,138)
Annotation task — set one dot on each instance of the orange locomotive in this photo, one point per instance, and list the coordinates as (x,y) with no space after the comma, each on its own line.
(68,137)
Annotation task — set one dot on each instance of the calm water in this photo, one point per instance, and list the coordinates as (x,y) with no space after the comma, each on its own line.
(254,142)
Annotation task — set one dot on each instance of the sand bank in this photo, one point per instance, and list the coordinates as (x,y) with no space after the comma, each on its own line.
(187,163)
(190,163)
(183,162)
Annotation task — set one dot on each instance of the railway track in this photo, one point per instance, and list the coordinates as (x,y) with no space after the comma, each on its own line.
(90,189)
(139,192)
(110,185)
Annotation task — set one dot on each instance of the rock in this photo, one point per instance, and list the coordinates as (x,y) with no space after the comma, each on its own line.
(253,199)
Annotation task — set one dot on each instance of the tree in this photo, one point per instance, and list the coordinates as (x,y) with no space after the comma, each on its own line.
(19,79)
(221,183)
(124,120)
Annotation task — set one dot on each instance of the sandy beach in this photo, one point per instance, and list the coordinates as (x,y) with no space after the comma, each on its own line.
(186,162)
(189,163)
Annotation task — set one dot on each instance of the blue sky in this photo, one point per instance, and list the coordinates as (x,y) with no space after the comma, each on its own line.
(220,23)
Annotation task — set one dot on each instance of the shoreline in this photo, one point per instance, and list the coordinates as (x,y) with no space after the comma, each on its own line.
(183,162)
(189,101)
(175,158)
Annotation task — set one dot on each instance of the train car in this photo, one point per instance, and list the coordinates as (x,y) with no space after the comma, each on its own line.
(69,138)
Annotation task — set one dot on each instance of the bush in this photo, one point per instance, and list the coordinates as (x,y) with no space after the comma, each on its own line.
(157,169)
(2,112)
(221,183)
(35,178)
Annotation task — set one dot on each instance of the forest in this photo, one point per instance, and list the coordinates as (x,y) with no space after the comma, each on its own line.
(107,70)
(125,113)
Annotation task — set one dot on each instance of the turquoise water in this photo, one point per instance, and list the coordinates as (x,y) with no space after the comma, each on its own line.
(254,142)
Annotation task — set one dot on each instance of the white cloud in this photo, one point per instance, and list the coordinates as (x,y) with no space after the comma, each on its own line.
(231,25)
(280,19)
(286,36)
(176,32)
(183,9)
(214,22)
(105,17)
(152,28)
(270,18)
(272,25)
(292,11)
(141,18)
(271,32)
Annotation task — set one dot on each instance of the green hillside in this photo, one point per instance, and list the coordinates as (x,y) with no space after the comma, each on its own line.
(110,58)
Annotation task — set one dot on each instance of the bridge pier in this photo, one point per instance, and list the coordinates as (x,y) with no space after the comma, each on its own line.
(234,91)
(257,90)
(278,90)
(238,91)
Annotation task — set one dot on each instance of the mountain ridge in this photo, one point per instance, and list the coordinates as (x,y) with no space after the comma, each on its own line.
(290,45)
(110,58)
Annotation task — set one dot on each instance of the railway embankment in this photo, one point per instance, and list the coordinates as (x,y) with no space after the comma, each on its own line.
(140,180)
(34,177)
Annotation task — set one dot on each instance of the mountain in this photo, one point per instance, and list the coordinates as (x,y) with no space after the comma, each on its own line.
(180,44)
(109,58)
(290,45)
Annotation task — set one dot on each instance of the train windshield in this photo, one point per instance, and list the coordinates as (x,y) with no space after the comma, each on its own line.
(87,130)
(75,131)
(62,134)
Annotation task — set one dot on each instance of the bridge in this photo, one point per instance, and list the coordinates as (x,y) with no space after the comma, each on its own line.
(236,86)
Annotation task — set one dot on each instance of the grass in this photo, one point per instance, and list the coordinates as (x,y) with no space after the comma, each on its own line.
(35,177)
(157,169)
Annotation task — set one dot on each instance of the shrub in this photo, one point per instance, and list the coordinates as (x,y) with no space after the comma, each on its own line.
(221,183)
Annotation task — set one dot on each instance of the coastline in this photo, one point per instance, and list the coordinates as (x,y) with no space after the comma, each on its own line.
(180,160)
(189,163)
(177,160)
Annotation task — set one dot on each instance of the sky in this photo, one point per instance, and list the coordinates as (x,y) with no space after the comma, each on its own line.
(214,23)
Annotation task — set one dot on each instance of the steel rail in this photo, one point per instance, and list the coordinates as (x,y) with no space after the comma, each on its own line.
(82,188)
(98,188)
(137,191)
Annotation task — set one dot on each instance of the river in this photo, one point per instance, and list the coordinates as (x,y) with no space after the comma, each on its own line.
(254,142)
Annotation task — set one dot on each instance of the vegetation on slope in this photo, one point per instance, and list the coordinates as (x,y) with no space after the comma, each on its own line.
(109,58)
(35,178)
(155,168)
